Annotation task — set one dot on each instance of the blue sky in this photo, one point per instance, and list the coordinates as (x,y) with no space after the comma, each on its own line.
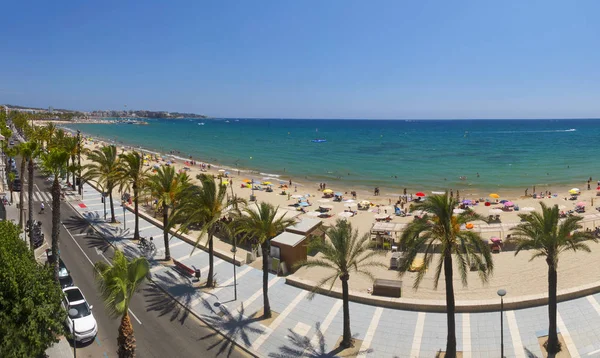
(306,59)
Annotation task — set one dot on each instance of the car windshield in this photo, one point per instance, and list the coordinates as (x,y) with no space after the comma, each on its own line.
(62,272)
(82,310)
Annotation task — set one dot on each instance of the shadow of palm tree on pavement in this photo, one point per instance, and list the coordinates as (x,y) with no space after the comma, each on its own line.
(163,304)
(231,327)
(179,287)
(302,346)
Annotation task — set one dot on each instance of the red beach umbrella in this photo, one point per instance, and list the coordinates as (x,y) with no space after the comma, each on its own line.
(421,194)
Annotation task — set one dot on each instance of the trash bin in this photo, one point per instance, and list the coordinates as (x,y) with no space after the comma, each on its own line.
(197,274)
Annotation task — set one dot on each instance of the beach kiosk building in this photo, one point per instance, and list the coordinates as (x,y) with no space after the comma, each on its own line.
(291,246)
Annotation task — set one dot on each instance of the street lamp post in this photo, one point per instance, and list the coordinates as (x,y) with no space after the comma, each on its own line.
(234,250)
(73,313)
(124,222)
(104,202)
(501,293)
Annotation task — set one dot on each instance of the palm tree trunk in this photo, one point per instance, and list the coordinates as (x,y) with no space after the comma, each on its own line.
(136,231)
(552,346)
(166,231)
(266,304)
(55,223)
(113,219)
(30,200)
(126,339)
(21,193)
(347,337)
(211,260)
(450,307)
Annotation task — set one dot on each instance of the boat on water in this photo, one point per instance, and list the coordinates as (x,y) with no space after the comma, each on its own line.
(317,140)
(201,124)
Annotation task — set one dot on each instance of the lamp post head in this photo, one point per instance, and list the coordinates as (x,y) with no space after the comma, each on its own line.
(501,292)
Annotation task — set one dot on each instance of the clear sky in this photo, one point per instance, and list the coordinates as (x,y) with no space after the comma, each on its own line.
(306,59)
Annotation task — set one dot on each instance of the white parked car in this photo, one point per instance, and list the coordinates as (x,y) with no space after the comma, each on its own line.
(84,321)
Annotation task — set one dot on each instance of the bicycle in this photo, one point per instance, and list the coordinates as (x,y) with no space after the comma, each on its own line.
(146,245)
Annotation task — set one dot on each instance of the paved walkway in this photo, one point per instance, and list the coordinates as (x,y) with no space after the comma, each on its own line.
(312,327)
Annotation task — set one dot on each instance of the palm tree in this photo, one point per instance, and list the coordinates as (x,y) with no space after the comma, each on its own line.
(262,225)
(103,170)
(164,186)
(548,237)
(345,252)
(29,151)
(118,283)
(71,146)
(132,175)
(205,205)
(54,163)
(444,229)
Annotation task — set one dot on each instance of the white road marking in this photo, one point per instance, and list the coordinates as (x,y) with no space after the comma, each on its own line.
(564,332)
(511,319)
(221,286)
(466,335)
(416,346)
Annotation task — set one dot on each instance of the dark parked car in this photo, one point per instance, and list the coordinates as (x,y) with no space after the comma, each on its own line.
(64,276)
(16,186)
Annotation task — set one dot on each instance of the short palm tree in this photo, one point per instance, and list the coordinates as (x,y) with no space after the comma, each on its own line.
(132,175)
(118,283)
(204,205)
(549,237)
(441,229)
(261,224)
(103,170)
(54,163)
(165,187)
(71,146)
(29,151)
(343,253)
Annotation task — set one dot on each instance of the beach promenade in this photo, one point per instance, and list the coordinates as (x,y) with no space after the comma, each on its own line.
(379,332)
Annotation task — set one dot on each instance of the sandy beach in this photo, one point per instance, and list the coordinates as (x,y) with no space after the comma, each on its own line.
(514,273)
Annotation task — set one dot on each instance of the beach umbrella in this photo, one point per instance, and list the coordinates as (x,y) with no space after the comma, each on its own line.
(598,188)
(266,183)
(495,239)
(365,202)
(420,194)
(458,211)
(247,181)
(313,213)
(528,209)
(467,201)
(323,201)
(303,204)
(509,204)
(302,199)
(345,214)
(339,193)
(495,211)
(574,191)
(581,203)
(227,173)
(494,195)
(327,191)
(225,182)
(503,201)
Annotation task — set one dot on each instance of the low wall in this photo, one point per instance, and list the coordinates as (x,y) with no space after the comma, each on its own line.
(415,304)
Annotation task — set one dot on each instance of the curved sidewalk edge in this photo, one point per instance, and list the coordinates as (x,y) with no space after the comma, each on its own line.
(189,309)
(439,306)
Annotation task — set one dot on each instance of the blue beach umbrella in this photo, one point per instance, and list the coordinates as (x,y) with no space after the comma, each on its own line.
(303,204)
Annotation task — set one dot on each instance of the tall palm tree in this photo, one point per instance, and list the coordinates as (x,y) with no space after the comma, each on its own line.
(165,187)
(444,229)
(261,225)
(118,283)
(54,162)
(549,237)
(205,205)
(103,170)
(345,252)
(70,145)
(132,175)
(29,151)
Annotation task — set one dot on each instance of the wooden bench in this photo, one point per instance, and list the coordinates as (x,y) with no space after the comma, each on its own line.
(190,271)
(388,288)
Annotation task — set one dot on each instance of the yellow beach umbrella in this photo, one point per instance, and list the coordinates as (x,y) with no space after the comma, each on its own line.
(327,191)
(225,182)
(494,195)
(247,181)
(574,191)
(266,183)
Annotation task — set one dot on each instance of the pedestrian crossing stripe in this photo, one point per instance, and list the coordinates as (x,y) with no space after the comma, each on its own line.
(37,197)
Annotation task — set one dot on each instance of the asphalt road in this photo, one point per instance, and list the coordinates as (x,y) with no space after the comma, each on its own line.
(162,327)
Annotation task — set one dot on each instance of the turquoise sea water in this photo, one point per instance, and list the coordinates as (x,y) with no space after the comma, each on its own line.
(419,155)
